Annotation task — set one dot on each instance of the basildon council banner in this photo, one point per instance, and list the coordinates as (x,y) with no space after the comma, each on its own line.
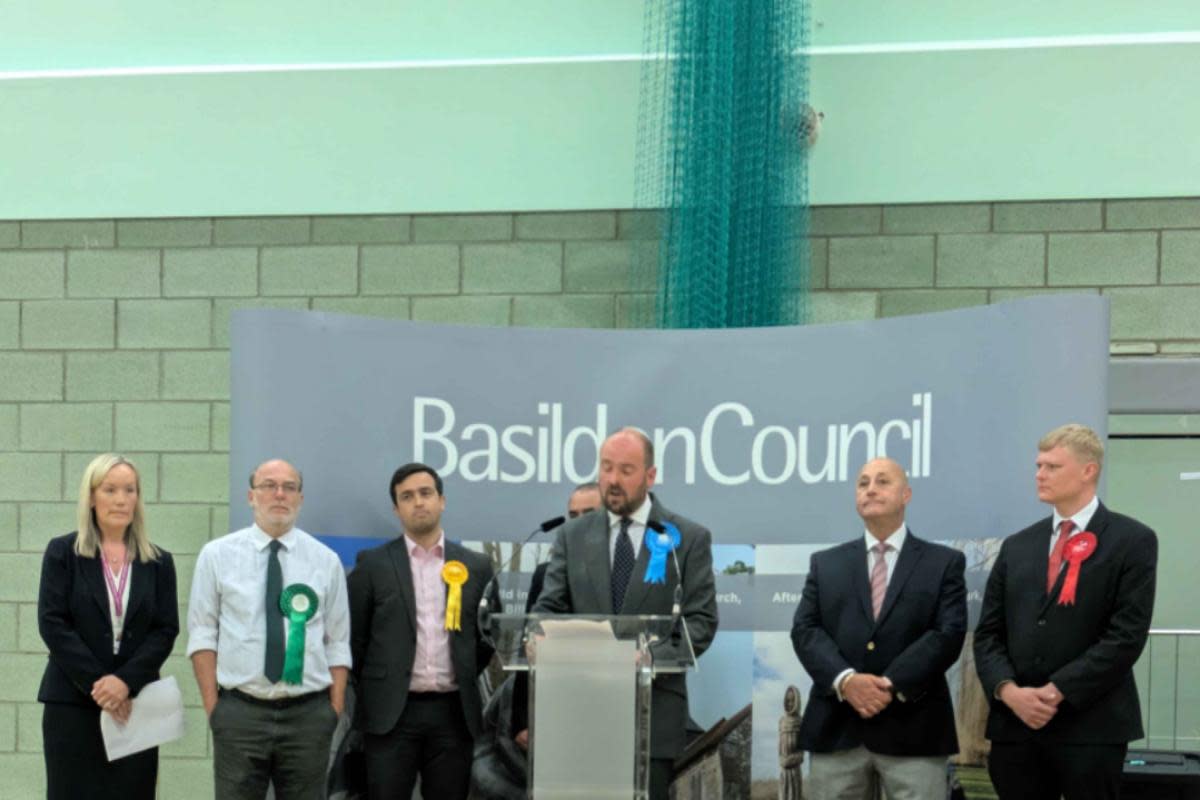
(758,433)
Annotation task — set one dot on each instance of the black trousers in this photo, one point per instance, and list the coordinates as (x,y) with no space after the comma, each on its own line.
(77,766)
(430,740)
(1035,770)
(286,745)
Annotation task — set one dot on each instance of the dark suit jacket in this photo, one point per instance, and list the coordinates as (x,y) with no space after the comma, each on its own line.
(75,624)
(536,584)
(1087,650)
(918,635)
(383,634)
(578,581)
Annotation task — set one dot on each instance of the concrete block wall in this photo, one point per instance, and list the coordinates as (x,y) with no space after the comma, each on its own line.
(114,335)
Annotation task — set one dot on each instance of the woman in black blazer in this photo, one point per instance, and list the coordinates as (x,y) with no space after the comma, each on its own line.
(108,613)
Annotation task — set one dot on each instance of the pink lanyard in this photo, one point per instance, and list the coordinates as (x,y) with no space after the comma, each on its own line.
(117,590)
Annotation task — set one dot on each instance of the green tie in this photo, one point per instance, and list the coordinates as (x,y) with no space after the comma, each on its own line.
(273,668)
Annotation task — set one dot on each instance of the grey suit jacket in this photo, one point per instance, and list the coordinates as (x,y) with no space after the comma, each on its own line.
(578,581)
(383,634)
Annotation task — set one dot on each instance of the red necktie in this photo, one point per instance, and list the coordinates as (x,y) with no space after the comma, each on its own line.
(879,577)
(1066,528)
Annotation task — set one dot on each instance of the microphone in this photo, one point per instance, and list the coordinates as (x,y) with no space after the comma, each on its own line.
(677,598)
(485,609)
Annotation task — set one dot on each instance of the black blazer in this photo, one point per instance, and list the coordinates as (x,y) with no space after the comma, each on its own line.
(1087,650)
(383,634)
(75,624)
(918,635)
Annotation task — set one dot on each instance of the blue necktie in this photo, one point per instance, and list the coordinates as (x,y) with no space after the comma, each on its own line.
(622,566)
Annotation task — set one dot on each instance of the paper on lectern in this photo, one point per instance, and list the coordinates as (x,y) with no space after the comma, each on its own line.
(577,629)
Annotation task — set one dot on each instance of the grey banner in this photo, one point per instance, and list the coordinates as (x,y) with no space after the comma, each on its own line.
(759,432)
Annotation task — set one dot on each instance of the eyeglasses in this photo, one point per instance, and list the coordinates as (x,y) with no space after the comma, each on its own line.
(271,487)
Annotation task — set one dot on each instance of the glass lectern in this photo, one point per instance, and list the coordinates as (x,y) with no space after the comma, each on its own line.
(589,699)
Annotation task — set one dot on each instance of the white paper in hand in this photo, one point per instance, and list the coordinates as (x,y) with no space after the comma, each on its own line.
(156,718)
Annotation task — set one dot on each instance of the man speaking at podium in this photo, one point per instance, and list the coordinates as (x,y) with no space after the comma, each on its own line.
(597,566)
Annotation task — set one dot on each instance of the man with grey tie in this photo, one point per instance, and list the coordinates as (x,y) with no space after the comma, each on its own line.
(596,567)
(881,619)
(269,639)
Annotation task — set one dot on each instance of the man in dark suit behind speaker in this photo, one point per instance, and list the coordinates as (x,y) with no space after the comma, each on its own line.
(415,664)
(881,619)
(1065,616)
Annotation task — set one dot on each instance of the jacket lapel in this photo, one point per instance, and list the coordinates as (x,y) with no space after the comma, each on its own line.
(860,579)
(1096,525)
(596,560)
(139,587)
(456,552)
(635,592)
(403,569)
(453,551)
(906,563)
(93,573)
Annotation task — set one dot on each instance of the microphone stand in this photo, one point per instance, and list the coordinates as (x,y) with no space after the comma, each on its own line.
(485,606)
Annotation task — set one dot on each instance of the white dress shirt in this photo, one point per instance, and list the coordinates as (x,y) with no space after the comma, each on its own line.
(227,609)
(637,529)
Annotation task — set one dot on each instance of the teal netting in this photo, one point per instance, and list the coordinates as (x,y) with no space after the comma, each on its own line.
(722,139)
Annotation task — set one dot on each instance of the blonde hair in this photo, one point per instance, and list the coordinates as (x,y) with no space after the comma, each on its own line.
(87,542)
(1081,440)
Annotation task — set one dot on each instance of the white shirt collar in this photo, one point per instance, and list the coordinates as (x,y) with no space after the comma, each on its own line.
(896,539)
(262,539)
(1081,518)
(639,516)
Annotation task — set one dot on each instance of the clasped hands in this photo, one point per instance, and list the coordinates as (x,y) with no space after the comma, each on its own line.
(867,694)
(112,694)
(1035,706)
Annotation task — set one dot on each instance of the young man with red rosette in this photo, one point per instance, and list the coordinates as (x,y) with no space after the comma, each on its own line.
(1065,615)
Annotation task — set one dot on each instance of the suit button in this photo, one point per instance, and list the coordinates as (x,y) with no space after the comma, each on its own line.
(1041,622)
(870,645)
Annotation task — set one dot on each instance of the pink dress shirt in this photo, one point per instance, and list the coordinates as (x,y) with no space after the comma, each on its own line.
(432,669)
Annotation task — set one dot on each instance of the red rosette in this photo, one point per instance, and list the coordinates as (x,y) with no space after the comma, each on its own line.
(1079,548)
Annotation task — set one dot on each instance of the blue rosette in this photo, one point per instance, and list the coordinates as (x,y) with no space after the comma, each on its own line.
(660,546)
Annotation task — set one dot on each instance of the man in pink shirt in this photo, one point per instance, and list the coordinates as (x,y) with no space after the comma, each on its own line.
(415,672)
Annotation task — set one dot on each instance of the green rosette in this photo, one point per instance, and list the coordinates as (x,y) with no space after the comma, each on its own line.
(298,604)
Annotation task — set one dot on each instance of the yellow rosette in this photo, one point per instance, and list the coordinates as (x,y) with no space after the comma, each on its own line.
(455,574)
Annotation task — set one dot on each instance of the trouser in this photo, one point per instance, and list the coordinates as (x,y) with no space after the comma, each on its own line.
(857,773)
(430,740)
(284,743)
(1035,770)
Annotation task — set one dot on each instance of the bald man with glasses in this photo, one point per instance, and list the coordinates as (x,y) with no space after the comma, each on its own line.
(269,639)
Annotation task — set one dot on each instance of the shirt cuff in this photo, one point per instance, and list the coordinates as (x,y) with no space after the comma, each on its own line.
(338,655)
(837,682)
(201,639)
